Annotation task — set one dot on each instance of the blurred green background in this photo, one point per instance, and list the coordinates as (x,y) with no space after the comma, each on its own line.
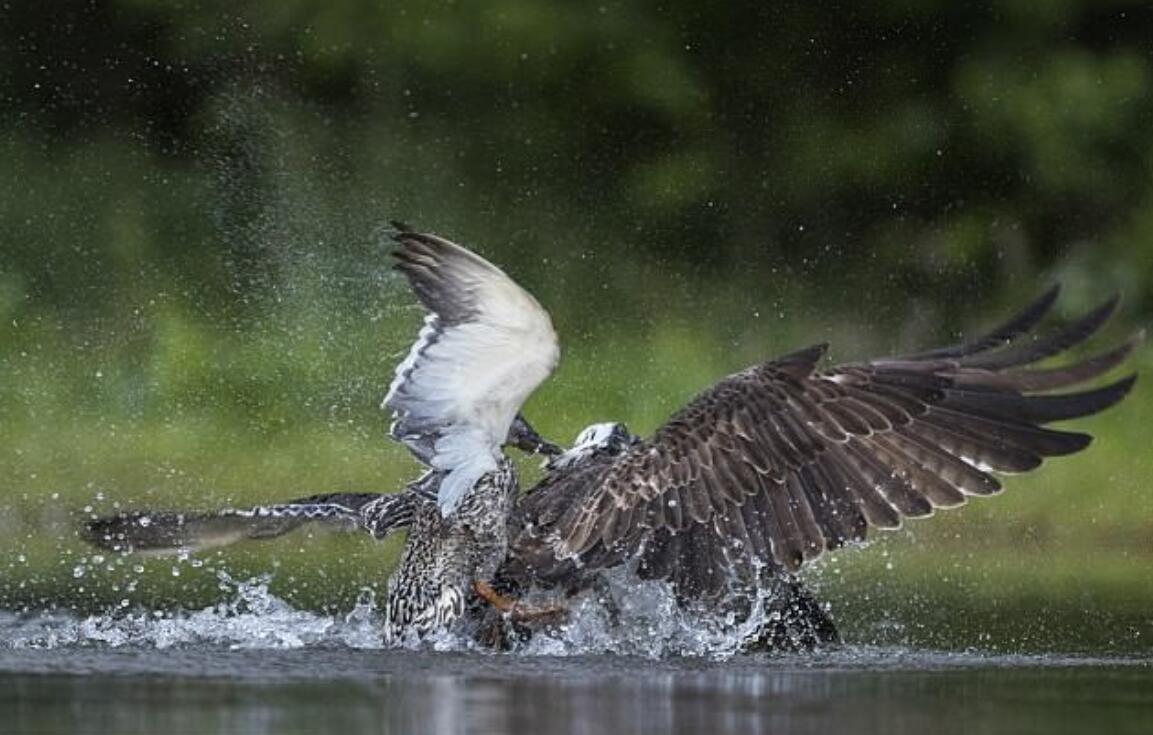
(196,306)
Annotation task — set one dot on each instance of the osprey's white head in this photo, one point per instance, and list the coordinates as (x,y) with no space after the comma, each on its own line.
(608,438)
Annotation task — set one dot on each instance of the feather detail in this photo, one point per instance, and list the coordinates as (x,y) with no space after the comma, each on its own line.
(779,462)
(485,346)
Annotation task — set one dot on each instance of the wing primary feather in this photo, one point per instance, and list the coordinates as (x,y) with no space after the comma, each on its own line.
(674,508)
(975,448)
(876,510)
(1037,409)
(812,539)
(996,434)
(839,515)
(1039,380)
(789,544)
(1028,353)
(940,492)
(891,482)
(1019,324)
(695,496)
(753,515)
(943,463)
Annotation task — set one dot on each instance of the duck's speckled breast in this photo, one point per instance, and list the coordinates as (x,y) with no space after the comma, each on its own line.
(444,556)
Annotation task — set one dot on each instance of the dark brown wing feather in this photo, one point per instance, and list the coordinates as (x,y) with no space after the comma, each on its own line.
(780,462)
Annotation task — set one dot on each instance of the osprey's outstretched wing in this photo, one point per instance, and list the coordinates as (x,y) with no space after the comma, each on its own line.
(485,347)
(162,532)
(778,463)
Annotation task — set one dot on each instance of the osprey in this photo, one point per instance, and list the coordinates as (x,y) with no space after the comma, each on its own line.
(758,475)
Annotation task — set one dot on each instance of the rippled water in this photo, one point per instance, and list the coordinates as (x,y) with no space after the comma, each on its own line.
(205,689)
(256,665)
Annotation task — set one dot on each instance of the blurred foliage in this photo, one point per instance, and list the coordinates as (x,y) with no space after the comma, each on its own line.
(196,191)
(195,302)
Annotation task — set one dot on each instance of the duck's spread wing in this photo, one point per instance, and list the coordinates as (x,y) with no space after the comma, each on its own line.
(170,532)
(776,464)
(485,346)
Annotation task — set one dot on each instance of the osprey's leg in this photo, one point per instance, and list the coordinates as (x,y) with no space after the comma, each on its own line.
(517,610)
(492,597)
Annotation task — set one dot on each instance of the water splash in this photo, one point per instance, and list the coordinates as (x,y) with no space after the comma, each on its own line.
(625,618)
(252,618)
(645,621)
(638,618)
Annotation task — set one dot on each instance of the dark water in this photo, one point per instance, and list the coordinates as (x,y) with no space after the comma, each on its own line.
(213,689)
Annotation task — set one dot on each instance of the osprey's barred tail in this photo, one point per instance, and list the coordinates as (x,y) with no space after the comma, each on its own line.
(168,531)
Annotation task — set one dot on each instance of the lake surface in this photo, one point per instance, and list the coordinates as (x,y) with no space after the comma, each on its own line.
(256,664)
(213,689)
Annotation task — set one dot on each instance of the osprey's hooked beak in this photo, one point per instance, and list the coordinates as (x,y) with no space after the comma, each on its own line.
(522,436)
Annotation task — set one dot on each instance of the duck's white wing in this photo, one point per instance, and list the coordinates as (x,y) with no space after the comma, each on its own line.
(485,347)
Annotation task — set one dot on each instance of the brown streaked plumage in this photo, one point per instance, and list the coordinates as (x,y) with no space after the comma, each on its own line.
(776,464)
